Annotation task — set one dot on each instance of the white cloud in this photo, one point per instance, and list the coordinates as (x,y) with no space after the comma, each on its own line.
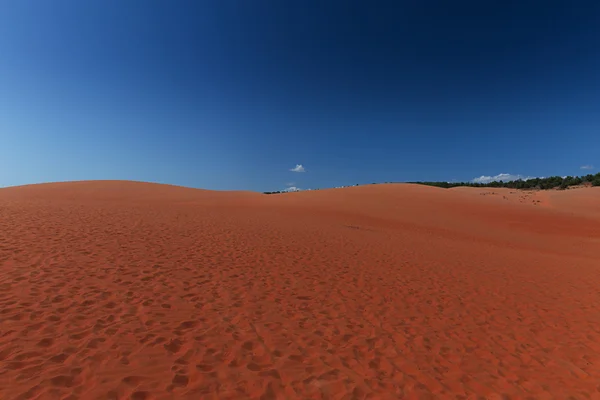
(298,168)
(501,177)
(587,167)
(291,189)
(290,184)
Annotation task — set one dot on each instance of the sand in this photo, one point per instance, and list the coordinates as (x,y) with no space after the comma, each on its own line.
(124,290)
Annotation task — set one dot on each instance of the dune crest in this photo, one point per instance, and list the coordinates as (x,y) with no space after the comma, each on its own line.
(115,289)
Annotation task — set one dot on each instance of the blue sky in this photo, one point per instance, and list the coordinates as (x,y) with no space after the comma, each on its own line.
(234,94)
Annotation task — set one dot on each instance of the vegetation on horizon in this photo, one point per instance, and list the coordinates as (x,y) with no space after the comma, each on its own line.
(553,182)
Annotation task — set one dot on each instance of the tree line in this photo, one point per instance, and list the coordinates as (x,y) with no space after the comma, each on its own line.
(552,182)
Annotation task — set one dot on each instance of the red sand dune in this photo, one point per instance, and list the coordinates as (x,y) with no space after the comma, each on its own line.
(118,290)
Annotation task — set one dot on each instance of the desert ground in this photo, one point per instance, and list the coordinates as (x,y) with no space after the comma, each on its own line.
(128,290)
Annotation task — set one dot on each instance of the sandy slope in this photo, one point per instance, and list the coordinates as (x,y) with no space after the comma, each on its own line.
(130,290)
